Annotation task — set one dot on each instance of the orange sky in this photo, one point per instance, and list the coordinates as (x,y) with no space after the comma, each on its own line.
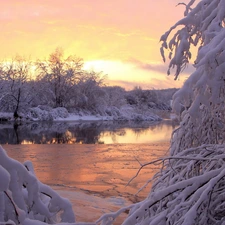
(119,37)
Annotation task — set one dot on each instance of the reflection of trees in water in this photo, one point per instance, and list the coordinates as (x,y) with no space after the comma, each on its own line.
(141,128)
(49,133)
(114,134)
(71,133)
(159,126)
(86,133)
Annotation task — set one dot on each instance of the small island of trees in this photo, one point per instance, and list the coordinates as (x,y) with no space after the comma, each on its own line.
(46,89)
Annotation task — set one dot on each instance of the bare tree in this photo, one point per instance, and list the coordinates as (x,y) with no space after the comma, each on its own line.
(60,75)
(16,84)
(91,94)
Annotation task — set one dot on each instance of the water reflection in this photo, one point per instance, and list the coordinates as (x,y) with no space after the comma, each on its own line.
(85,132)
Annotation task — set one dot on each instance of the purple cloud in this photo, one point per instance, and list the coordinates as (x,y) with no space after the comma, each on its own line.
(160,68)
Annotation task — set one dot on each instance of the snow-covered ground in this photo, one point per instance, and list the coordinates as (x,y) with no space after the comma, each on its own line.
(41,113)
(75,117)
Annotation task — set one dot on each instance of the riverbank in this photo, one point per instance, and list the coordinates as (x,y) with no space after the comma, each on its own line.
(93,177)
(44,113)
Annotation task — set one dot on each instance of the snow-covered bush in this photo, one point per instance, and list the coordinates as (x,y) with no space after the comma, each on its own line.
(134,114)
(6,116)
(112,111)
(25,200)
(46,113)
(37,113)
(60,112)
(115,96)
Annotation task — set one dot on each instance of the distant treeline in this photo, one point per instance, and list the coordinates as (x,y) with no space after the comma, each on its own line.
(59,82)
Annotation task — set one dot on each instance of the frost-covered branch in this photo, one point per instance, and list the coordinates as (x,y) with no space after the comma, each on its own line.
(199,26)
(190,193)
(200,102)
(161,161)
(23,197)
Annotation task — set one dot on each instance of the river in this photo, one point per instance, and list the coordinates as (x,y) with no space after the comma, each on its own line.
(92,176)
(86,132)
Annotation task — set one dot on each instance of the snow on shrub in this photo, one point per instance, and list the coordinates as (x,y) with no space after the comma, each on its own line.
(4,117)
(113,111)
(125,113)
(47,113)
(39,114)
(60,112)
(131,113)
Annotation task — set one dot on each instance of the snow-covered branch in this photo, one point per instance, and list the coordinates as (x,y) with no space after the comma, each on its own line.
(199,26)
(185,192)
(23,198)
(200,102)
(161,161)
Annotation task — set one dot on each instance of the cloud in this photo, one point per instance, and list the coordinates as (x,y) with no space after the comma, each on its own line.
(128,85)
(159,67)
(155,83)
(129,34)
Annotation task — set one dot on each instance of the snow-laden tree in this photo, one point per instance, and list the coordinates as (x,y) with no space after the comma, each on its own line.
(62,82)
(200,101)
(90,94)
(190,187)
(57,77)
(16,85)
(24,199)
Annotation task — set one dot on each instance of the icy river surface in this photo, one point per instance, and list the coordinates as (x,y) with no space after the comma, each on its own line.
(93,176)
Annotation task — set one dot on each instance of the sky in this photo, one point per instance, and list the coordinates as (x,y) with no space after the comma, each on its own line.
(119,37)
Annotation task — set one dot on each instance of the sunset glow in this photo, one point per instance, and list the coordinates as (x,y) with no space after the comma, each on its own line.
(120,38)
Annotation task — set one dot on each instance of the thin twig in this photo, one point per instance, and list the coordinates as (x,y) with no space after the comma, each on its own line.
(168,158)
(14,206)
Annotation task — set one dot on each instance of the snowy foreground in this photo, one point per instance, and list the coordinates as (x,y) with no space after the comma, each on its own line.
(193,196)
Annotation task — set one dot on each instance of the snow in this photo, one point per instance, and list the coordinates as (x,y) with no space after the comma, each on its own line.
(74,117)
(44,113)
(5,179)
(4,116)
(126,113)
(23,196)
